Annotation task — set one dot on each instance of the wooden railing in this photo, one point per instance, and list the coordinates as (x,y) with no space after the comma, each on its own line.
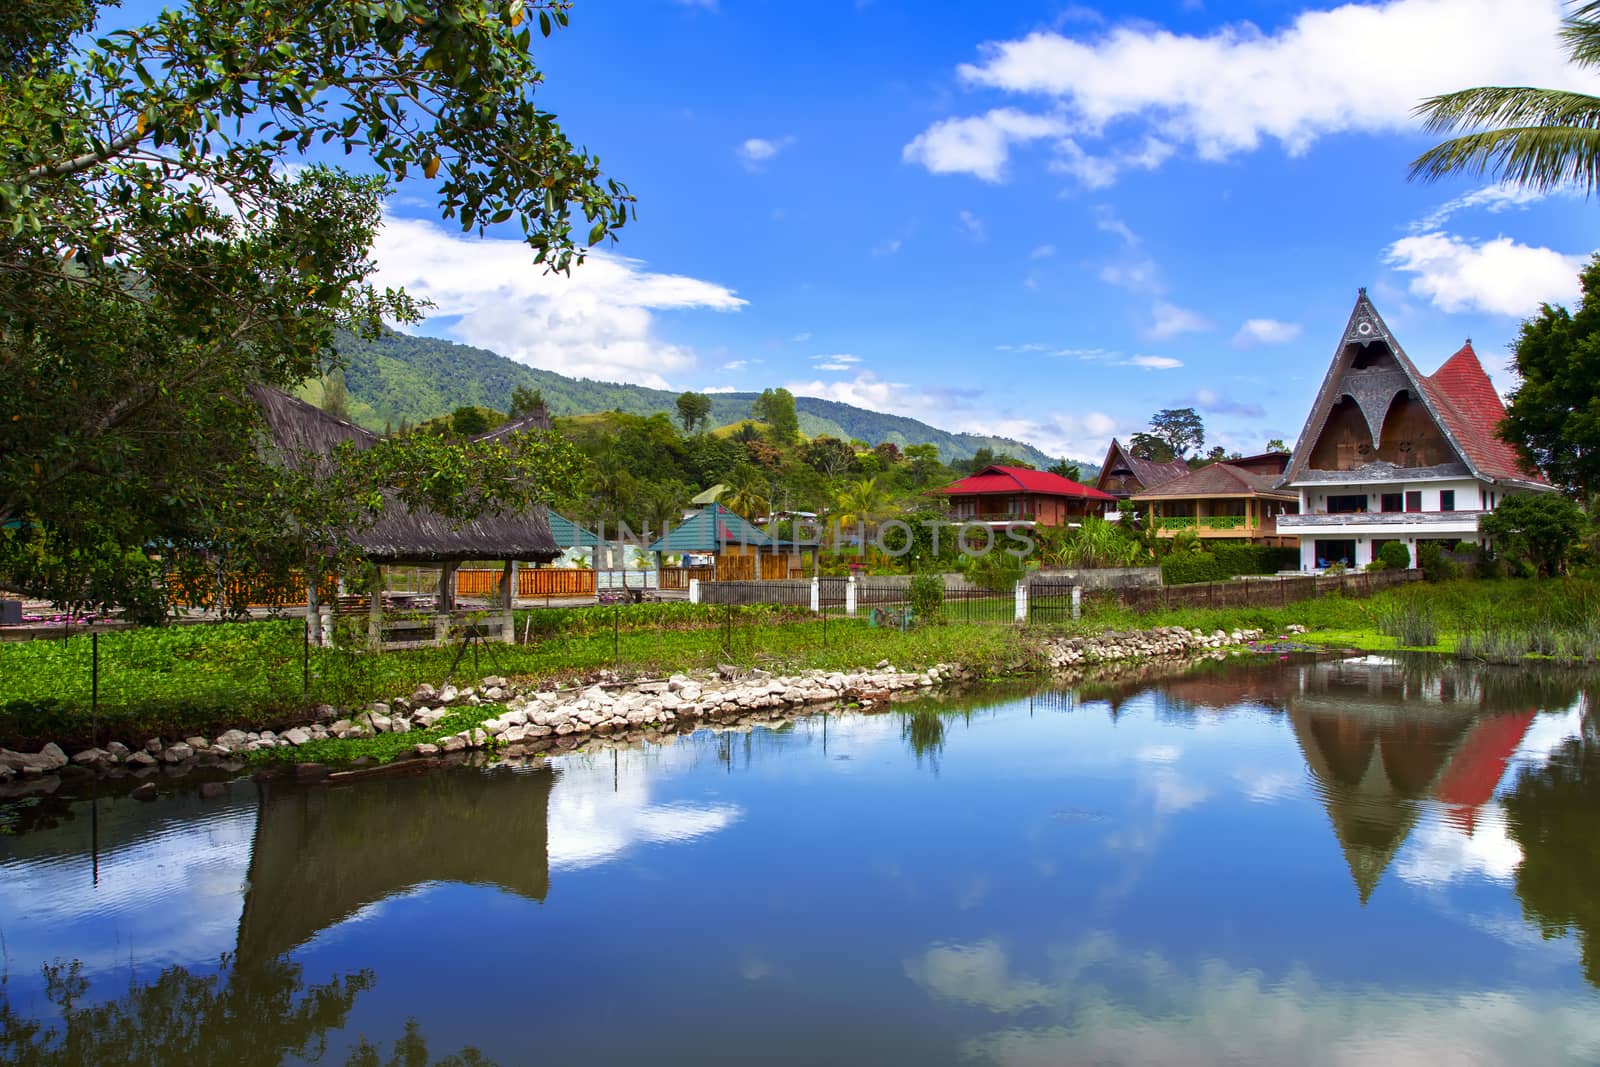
(255,591)
(678,577)
(555,581)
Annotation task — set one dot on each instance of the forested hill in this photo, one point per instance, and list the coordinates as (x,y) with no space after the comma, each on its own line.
(400,378)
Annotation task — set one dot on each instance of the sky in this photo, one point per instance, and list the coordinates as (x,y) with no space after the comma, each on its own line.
(1041,220)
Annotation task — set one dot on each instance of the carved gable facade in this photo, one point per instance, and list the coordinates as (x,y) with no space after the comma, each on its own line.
(1388,454)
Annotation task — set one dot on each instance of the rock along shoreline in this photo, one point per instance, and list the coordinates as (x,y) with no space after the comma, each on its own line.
(543,718)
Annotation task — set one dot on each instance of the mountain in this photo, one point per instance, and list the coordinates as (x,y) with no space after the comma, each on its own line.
(400,378)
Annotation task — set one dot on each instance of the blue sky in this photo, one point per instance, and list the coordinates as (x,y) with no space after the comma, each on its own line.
(1043,220)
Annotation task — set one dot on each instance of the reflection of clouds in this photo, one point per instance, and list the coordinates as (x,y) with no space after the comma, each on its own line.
(1157,754)
(1267,787)
(1174,793)
(1219,1015)
(1440,853)
(598,811)
(977,974)
(50,902)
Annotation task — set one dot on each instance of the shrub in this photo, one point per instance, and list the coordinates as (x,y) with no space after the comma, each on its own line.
(925,594)
(1394,555)
(1191,567)
(1435,565)
(996,569)
(1255,559)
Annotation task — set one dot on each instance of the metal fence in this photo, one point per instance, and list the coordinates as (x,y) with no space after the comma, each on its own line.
(1255,592)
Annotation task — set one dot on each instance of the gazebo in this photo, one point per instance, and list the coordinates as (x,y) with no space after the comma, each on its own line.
(402,535)
(733,541)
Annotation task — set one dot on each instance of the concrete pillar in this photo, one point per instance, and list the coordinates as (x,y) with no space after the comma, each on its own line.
(694,590)
(1022,600)
(850,596)
(1077,602)
(508,599)
(816,595)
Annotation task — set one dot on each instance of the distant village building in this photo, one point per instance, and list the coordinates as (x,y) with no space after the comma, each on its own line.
(1234,499)
(998,495)
(1124,475)
(1390,455)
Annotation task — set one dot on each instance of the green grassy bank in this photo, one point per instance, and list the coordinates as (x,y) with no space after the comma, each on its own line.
(202,679)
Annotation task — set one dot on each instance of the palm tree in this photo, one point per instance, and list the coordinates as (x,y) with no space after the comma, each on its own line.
(860,501)
(1536,138)
(746,494)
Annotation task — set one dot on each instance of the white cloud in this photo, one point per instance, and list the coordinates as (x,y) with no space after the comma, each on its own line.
(596,322)
(756,152)
(736,364)
(1360,67)
(977,974)
(974,226)
(1106,220)
(1171,321)
(839,361)
(1214,403)
(1042,252)
(1500,276)
(1153,362)
(720,389)
(1140,273)
(979,145)
(1265,332)
(889,247)
(1495,199)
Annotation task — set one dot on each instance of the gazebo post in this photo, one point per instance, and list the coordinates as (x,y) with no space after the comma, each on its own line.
(444,603)
(508,594)
(375,615)
(313,609)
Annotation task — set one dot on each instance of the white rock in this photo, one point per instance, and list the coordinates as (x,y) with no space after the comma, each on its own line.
(297,736)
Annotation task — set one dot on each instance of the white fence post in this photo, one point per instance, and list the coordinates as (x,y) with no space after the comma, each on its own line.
(1022,601)
(850,596)
(816,595)
(694,590)
(1077,602)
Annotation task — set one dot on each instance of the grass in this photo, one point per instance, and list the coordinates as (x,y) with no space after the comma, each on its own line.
(178,681)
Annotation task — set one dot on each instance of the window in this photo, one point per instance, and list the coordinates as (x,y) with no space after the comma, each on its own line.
(1391,502)
(1346,505)
(1447,500)
(1414,501)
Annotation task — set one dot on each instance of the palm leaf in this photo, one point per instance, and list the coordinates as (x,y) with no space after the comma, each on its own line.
(1508,106)
(1536,157)
(1581,34)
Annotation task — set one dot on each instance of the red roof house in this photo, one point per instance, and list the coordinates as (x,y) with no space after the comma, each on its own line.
(1016,494)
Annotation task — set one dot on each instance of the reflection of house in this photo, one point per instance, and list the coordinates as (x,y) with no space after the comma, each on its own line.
(1123,474)
(1390,455)
(1233,499)
(1381,742)
(321,855)
(998,495)
(740,549)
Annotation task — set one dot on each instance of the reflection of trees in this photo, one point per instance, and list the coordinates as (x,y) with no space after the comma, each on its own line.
(256,1016)
(1551,813)
(923,729)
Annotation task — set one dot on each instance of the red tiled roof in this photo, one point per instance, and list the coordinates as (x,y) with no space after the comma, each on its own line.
(993,479)
(1465,398)
(1469,782)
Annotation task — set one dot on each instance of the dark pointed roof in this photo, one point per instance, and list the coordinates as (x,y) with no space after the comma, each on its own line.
(1218,479)
(710,529)
(1149,472)
(1459,397)
(302,433)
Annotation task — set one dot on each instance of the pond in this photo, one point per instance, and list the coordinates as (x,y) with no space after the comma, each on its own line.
(1258,861)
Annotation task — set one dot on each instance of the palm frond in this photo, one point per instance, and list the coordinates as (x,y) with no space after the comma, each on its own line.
(1580,32)
(1536,157)
(1508,106)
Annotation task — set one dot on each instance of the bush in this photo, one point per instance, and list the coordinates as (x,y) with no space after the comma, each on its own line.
(925,594)
(1255,559)
(1191,567)
(1395,556)
(1435,565)
(997,570)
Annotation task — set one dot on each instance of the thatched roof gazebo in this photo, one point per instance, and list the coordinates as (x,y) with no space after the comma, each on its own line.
(302,433)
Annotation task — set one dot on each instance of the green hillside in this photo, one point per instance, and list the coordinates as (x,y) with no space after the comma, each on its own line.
(401,378)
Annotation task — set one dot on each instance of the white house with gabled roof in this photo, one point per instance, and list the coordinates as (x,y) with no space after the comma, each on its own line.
(1388,454)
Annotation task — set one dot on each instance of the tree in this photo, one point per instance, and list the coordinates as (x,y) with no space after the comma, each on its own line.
(1180,429)
(1067,469)
(749,493)
(1536,138)
(525,401)
(166,250)
(1149,446)
(693,410)
(1553,416)
(775,407)
(1277,445)
(335,400)
(828,455)
(468,421)
(1538,529)
(860,501)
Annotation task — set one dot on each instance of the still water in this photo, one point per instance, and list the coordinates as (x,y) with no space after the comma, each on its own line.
(1259,862)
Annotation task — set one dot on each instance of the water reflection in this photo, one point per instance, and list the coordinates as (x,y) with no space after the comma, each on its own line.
(1238,864)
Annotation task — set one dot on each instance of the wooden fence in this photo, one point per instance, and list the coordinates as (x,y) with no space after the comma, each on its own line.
(1253,592)
(531,582)
(679,577)
(255,591)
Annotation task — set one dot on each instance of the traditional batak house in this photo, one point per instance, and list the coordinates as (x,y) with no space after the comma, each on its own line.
(1000,495)
(1124,475)
(1234,499)
(1390,455)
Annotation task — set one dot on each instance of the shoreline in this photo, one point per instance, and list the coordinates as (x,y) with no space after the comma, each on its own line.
(530,719)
